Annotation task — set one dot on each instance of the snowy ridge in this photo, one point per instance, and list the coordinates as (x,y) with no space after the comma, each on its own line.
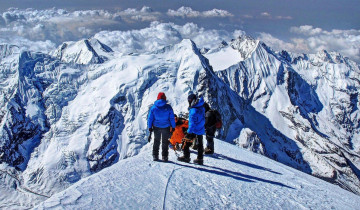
(284,93)
(6,50)
(231,179)
(246,45)
(65,119)
(88,51)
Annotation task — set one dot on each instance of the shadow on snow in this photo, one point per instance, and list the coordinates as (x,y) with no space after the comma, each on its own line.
(232,174)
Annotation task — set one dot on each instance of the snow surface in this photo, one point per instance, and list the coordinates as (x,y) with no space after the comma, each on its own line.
(233,178)
(223,58)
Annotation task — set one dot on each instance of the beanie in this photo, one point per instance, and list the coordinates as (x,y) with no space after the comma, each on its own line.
(161,95)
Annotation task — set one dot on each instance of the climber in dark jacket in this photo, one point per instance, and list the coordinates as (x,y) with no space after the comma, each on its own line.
(210,129)
(161,120)
(196,128)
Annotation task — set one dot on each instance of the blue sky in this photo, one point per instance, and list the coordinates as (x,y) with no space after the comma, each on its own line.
(300,26)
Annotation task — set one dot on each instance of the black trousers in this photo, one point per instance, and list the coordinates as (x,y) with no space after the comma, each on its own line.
(163,135)
(200,148)
(210,133)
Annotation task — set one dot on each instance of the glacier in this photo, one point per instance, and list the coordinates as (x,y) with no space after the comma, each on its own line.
(73,112)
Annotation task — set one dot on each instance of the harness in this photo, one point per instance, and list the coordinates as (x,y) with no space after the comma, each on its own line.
(185,141)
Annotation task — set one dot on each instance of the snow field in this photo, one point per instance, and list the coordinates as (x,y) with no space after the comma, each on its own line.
(233,178)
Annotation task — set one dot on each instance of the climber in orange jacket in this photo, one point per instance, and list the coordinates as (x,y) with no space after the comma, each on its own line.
(180,129)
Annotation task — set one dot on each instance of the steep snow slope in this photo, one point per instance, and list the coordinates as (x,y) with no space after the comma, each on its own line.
(311,104)
(231,179)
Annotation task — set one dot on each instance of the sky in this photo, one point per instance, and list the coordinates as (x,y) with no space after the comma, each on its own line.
(306,26)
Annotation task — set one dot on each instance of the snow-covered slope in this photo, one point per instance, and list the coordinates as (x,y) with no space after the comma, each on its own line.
(227,55)
(231,179)
(94,115)
(301,111)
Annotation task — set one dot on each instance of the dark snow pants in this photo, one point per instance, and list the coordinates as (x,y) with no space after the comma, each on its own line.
(162,134)
(200,148)
(210,133)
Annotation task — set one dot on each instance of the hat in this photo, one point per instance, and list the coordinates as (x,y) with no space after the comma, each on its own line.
(161,95)
(191,97)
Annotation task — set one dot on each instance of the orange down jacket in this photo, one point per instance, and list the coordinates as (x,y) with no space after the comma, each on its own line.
(181,126)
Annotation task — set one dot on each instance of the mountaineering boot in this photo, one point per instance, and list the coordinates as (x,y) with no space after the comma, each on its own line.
(165,158)
(184,159)
(178,147)
(199,161)
(155,157)
(208,151)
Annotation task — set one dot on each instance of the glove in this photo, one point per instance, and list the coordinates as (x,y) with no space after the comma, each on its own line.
(151,130)
(172,129)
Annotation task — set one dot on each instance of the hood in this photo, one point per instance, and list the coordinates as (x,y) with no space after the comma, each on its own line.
(160,103)
(198,103)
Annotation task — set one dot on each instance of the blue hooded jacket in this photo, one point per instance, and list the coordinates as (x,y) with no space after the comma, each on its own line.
(197,118)
(161,115)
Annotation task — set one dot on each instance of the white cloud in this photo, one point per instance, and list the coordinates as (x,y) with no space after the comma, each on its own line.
(283,17)
(159,35)
(26,44)
(312,40)
(190,13)
(145,14)
(267,15)
(306,30)
(217,13)
(59,25)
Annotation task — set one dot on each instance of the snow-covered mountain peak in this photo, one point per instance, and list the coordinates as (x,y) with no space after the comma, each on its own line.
(6,50)
(227,55)
(245,45)
(328,57)
(87,51)
(223,44)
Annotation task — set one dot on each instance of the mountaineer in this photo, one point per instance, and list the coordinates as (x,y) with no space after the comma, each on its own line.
(161,120)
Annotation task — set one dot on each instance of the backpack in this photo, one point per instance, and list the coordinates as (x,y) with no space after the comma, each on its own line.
(218,123)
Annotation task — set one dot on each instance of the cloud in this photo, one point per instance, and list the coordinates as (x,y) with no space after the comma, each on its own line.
(59,25)
(309,39)
(306,30)
(26,44)
(248,16)
(145,14)
(190,13)
(158,35)
(267,15)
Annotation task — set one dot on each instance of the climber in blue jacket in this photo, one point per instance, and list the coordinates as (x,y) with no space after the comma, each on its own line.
(196,129)
(161,120)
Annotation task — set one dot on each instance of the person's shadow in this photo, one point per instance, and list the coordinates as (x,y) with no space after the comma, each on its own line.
(220,156)
(232,174)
